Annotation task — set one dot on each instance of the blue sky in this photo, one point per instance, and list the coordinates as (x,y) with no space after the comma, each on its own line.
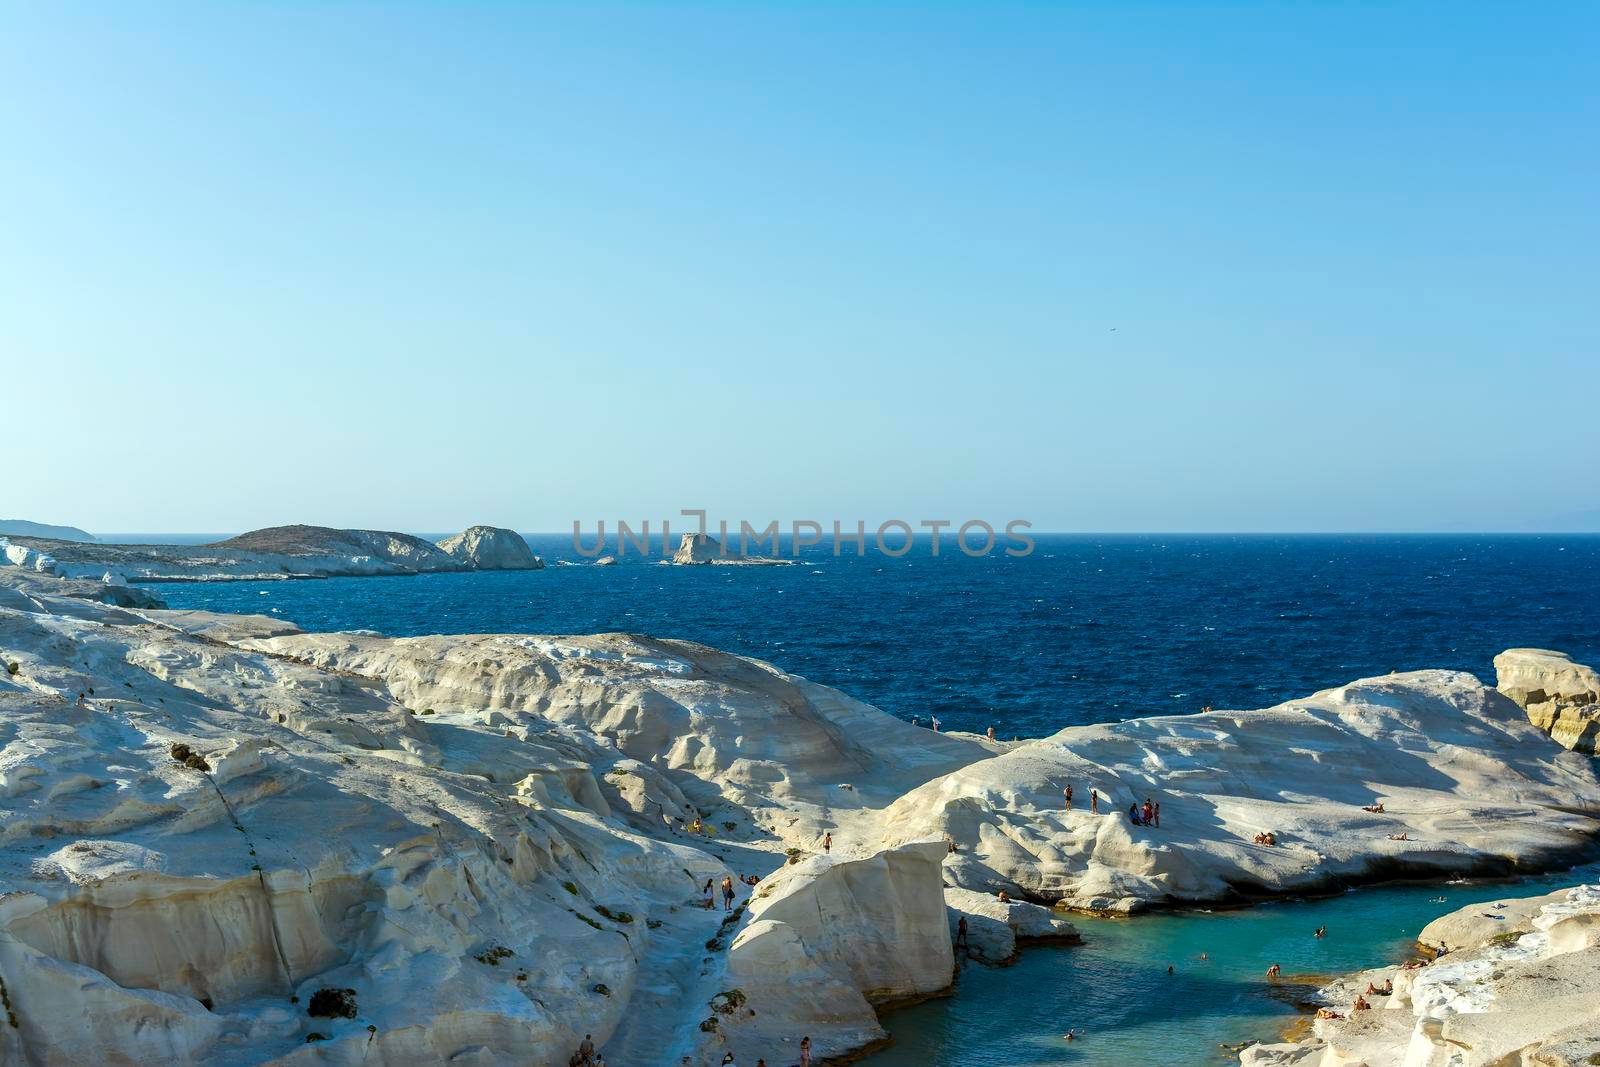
(1101,266)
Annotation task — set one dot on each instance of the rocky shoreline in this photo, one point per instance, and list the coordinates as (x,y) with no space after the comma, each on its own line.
(479,848)
(1515,981)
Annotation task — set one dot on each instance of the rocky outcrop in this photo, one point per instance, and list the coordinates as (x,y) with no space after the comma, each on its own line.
(995,928)
(28,558)
(830,939)
(491,548)
(1466,782)
(21,583)
(1561,697)
(1522,990)
(699,548)
(704,549)
(281,552)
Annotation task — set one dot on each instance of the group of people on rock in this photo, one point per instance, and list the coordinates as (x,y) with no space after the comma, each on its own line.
(1266,837)
(1361,1002)
(708,896)
(1149,815)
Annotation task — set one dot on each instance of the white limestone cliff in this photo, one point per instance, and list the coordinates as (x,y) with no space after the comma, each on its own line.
(1561,697)
(491,548)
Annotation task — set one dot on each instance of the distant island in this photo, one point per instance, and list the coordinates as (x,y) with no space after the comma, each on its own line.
(24,528)
(278,552)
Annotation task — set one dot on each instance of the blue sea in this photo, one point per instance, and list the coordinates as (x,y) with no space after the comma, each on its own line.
(1086,629)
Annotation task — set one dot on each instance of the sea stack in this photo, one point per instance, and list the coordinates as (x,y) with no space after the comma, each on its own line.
(491,548)
(698,548)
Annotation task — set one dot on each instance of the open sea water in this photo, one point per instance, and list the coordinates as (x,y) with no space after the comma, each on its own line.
(1086,629)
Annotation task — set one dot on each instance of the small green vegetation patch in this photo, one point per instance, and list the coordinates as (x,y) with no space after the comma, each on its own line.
(616,917)
(494,954)
(187,756)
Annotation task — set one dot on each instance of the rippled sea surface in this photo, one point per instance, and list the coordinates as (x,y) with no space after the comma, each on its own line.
(1086,629)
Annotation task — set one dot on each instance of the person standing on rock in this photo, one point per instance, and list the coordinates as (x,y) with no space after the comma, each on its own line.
(586,1048)
(805,1052)
(1094,801)
(1149,813)
(827,842)
(1067,792)
(1158,815)
(961,935)
(727,893)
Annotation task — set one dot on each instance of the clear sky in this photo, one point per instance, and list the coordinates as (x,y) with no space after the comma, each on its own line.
(1129,266)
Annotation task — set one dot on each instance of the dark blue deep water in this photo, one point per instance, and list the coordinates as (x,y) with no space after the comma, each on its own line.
(1086,629)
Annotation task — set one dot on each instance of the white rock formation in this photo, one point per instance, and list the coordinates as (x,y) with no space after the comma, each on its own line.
(830,939)
(1561,697)
(705,549)
(1524,990)
(699,548)
(1460,771)
(491,548)
(996,928)
(491,873)
(29,559)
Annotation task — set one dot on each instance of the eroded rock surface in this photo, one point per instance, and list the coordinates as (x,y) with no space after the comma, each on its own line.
(1466,783)
(1561,697)
(498,845)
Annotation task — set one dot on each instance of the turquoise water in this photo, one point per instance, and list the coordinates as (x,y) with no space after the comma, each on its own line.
(1116,988)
